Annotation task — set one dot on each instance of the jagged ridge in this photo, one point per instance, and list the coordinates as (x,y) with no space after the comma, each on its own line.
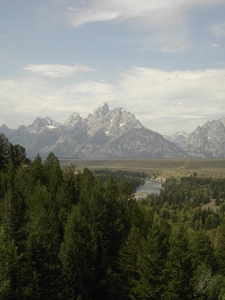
(115,133)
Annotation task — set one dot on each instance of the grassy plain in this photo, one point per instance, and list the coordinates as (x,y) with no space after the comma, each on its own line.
(162,168)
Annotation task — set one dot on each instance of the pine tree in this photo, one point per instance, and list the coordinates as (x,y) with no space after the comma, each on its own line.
(43,246)
(204,264)
(127,262)
(78,257)
(86,186)
(179,271)
(53,174)
(5,282)
(36,172)
(10,272)
(5,147)
(151,262)
(220,248)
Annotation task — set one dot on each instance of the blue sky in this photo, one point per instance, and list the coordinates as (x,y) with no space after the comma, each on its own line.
(162,60)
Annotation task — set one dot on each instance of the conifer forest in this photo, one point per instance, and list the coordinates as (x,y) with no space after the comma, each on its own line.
(66,234)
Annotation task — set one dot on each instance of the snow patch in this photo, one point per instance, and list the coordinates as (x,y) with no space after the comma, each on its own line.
(51,126)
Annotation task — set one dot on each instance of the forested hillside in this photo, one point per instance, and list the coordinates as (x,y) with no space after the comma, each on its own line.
(72,235)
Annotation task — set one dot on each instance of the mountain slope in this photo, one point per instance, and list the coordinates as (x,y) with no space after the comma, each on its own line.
(103,134)
(208,140)
(179,138)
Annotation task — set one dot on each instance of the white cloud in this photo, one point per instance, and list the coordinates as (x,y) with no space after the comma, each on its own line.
(105,10)
(218,29)
(154,94)
(175,49)
(214,45)
(162,23)
(163,101)
(80,18)
(57,70)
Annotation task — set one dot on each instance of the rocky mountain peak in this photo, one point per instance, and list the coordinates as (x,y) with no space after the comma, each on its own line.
(100,112)
(72,120)
(51,124)
(113,122)
(208,140)
(37,126)
(115,133)
(5,129)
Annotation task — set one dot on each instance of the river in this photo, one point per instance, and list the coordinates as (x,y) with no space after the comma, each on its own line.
(150,187)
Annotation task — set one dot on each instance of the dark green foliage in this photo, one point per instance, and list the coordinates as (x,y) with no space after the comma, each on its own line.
(5,151)
(151,263)
(135,179)
(15,153)
(221,246)
(68,235)
(43,245)
(179,270)
(36,172)
(78,255)
(204,264)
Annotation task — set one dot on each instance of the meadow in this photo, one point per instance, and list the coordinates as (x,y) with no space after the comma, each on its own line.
(161,168)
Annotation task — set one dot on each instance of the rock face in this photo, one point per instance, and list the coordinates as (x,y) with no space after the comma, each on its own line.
(6,130)
(208,140)
(205,141)
(103,134)
(179,138)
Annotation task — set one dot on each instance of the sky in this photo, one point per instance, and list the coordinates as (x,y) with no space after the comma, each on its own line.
(162,60)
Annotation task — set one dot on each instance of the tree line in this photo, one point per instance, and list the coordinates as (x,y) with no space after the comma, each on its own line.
(134,178)
(69,235)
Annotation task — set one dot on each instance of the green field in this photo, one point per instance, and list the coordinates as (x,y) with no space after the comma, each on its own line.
(163,168)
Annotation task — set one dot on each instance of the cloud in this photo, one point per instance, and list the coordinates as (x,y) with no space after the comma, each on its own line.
(106,10)
(174,49)
(214,45)
(163,101)
(156,95)
(82,17)
(218,29)
(57,70)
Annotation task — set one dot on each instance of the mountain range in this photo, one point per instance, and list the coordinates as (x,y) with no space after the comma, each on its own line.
(205,141)
(114,134)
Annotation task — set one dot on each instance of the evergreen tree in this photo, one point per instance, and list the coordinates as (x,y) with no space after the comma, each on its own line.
(70,186)
(43,246)
(85,191)
(36,172)
(10,272)
(204,264)
(179,269)
(78,257)
(5,147)
(53,174)
(221,246)
(18,155)
(127,262)
(5,282)
(151,262)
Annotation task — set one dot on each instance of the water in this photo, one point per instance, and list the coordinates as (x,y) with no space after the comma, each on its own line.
(150,187)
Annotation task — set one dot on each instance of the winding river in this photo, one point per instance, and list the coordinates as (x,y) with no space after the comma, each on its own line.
(150,187)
